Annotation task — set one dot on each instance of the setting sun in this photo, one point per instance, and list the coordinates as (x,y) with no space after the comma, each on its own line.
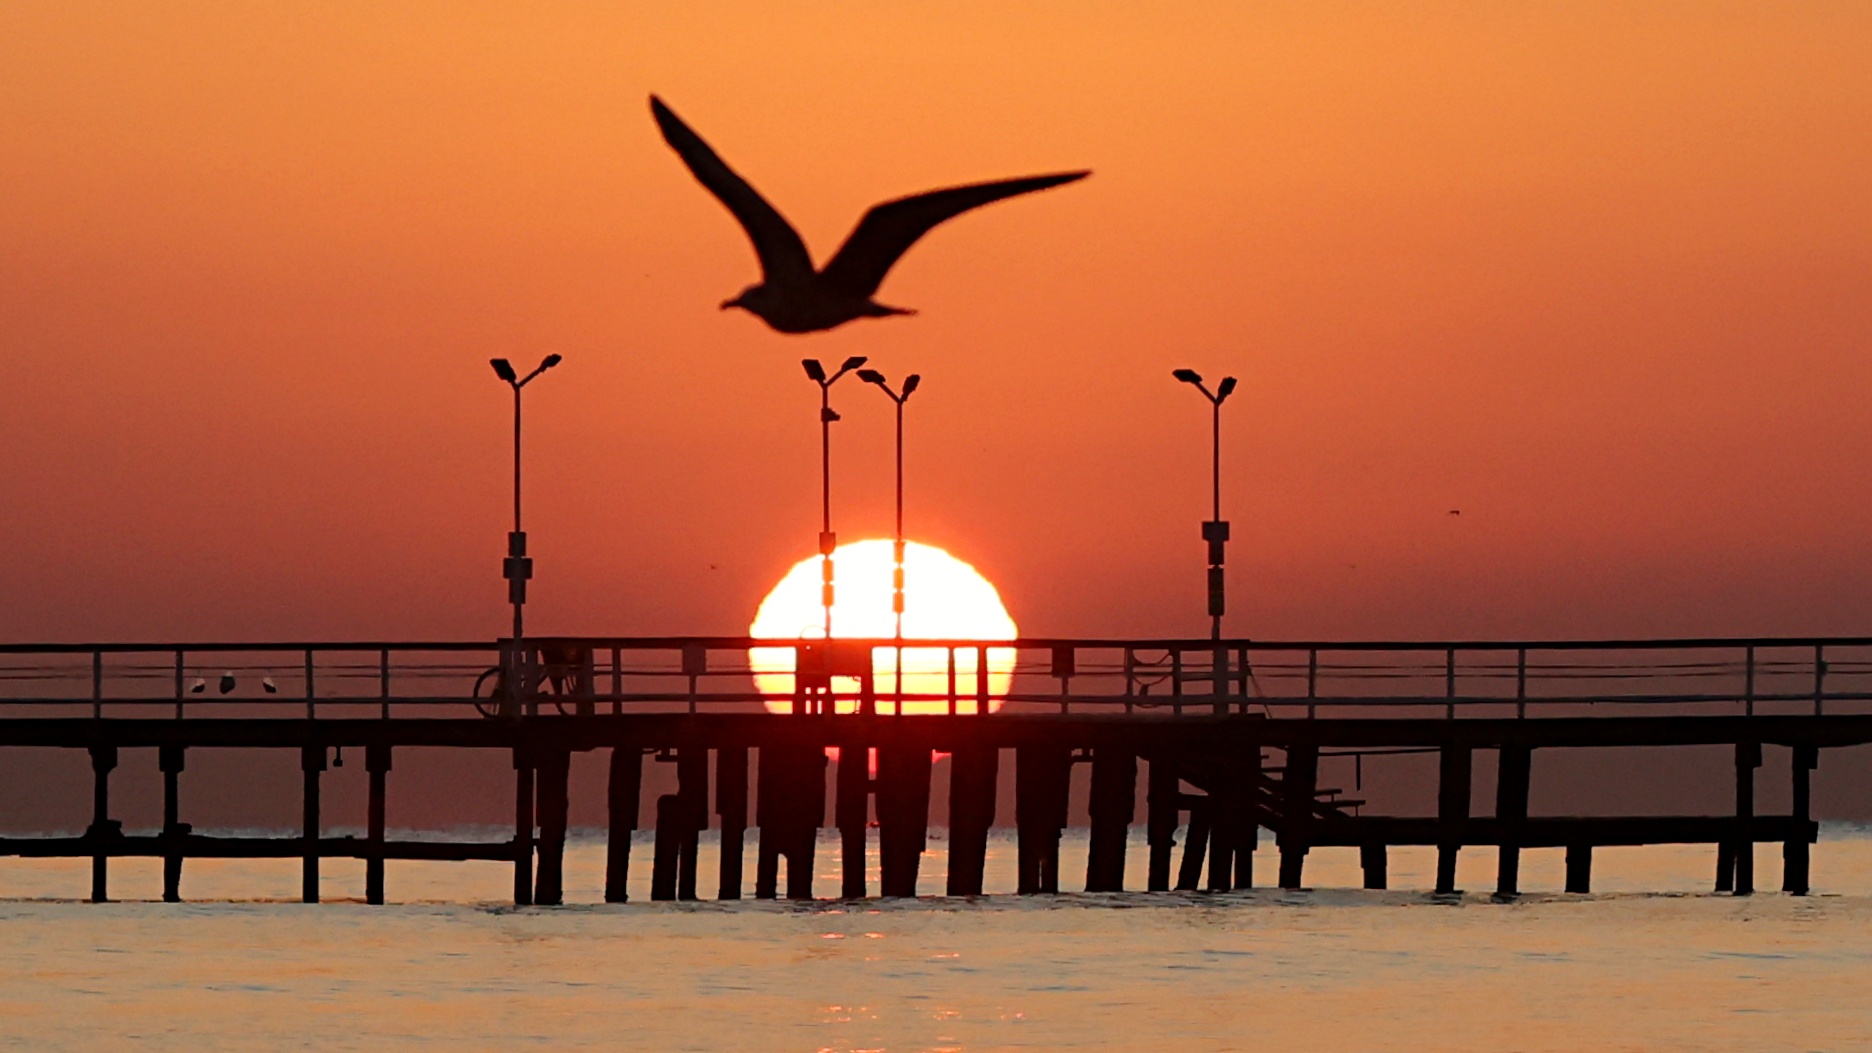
(944,599)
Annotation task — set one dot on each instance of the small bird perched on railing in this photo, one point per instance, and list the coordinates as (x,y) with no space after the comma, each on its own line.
(794,297)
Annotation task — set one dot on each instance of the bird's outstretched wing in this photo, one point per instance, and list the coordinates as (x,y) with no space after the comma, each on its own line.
(782,254)
(888,230)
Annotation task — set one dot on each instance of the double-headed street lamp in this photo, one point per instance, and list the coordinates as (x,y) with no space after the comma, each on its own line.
(1216,530)
(828,541)
(517,567)
(872,376)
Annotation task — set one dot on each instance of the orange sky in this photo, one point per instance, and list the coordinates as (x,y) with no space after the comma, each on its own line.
(1597,275)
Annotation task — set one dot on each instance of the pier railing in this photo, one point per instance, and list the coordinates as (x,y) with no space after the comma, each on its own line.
(1145,678)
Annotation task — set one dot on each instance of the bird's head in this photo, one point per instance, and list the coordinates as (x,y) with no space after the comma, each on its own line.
(753,299)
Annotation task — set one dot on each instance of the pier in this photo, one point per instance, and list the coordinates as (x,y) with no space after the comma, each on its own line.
(1222,739)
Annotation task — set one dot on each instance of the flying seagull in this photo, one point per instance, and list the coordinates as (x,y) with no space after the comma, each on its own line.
(792,296)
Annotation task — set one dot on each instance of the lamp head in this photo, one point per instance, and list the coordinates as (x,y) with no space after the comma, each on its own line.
(911,382)
(871,376)
(852,363)
(504,369)
(1228,385)
(814,369)
(550,361)
(1187,376)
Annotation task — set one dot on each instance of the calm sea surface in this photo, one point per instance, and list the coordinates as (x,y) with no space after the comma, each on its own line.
(1653,962)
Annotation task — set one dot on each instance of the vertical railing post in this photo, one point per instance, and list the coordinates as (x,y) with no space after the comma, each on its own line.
(97,684)
(383,678)
(617,680)
(1312,682)
(1520,686)
(310,692)
(981,680)
(1748,681)
(953,702)
(1449,683)
(1820,671)
(1176,681)
(178,683)
(1130,677)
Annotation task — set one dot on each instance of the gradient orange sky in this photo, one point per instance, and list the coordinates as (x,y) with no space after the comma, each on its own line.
(1595,274)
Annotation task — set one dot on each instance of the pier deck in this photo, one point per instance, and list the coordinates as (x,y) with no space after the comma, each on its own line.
(1227,735)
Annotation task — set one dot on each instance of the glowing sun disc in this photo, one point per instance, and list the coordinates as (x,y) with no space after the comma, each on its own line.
(944,599)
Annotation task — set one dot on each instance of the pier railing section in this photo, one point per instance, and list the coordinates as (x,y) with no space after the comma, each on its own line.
(1146,678)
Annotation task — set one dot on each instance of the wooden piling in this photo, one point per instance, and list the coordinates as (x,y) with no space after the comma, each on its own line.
(377,765)
(1113,800)
(731,804)
(1195,843)
(1725,865)
(1297,785)
(1374,864)
(1453,789)
(552,790)
(1513,774)
(1042,779)
(1579,868)
(692,792)
(103,760)
(903,816)
(1247,820)
(623,796)
(1794,851)
(170,760)
(523,827)
(1747,759)
(1224,818)
(973,774)
(1163,800)
(851,812)
(789,807)
(311,767)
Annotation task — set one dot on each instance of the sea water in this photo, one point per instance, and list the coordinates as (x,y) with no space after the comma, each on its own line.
(1652,961)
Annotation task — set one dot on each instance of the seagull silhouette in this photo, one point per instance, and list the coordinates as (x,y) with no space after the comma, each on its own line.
(792,296)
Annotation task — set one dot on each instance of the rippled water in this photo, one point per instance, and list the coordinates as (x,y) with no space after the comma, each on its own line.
(449,966)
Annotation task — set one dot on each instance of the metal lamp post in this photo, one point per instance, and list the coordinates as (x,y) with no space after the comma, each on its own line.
(1216,530)
(828,541)
(872,376)
(517,567)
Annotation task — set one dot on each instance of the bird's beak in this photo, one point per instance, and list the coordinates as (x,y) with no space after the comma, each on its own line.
(736,302)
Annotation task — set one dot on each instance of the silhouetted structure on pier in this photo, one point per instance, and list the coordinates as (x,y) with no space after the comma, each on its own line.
(1221,765)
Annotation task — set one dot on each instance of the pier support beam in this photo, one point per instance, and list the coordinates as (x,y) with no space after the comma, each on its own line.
(623,795)
(1794,852)
(103,760)
(1297,785)
(523,827)
(1373,862)
(973,773)
(852,814)
(1453,788)
(311,767)
(1042,778)
(1195,842)
(377,764)
(170,760)
(552,790)
(1579,868)
(1163,800)
(731,796)
(1247,833)
(1113,800)
(680,817)
(1511,802)
(789,807)
(1747,759)
(903,816)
